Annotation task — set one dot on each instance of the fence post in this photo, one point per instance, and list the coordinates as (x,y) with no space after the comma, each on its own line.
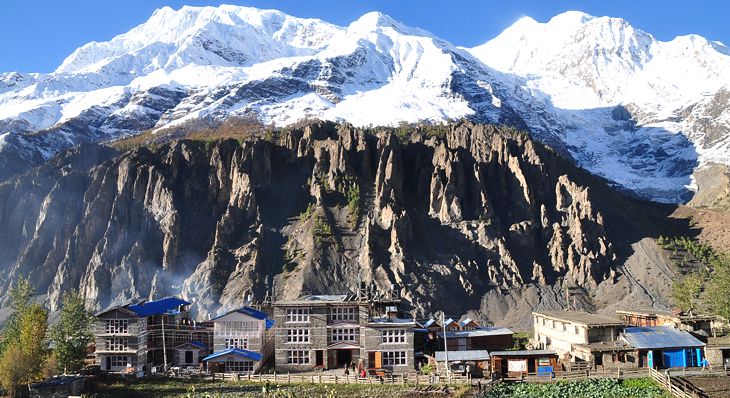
(335,379)
(288,378)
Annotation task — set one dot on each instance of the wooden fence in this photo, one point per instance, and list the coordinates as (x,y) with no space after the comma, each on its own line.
(581,375)
(678,387)
(334,379)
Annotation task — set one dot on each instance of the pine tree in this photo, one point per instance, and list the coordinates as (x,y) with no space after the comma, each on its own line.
(72,333)
(716,295)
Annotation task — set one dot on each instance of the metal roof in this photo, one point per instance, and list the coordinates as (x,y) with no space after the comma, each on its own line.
(655,337)
(470,355)
(579,317)
(430,322)
(254,313)
(481,332)
(522,353)
(255,356)
(167,305)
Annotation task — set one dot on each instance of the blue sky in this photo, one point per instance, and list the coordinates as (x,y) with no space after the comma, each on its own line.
(38,34)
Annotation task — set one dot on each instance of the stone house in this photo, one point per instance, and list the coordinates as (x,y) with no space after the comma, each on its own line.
(140,337)
(242,340)
(580,338)
(332,331)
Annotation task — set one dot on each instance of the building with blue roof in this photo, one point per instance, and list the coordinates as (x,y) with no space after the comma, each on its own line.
(664,346)
(149,335)
(243,340)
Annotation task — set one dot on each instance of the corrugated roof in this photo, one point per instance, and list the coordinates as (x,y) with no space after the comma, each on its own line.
(430,322)
(471,355)
(481,332)
(521,353)
(656,337)
(254,356)
(167,305)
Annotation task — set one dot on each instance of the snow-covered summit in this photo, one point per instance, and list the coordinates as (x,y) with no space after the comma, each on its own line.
(224,36)
(638,111)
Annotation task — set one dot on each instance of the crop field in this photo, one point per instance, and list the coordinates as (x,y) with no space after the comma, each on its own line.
(713,386)
(176,388)
(596,388)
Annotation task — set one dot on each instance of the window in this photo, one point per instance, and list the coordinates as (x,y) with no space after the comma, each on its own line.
(237,343)
(297,335)
(576,330)
(565,327)
(116,344)
(297,315)
(118,361)
(117,326)
(237,327)
(394,336)
(239,366)
(344,334)
(394,358)
(297,357)
(343,314)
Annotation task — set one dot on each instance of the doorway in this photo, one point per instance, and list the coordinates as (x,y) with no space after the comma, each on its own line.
(344,358)
(319,358)
(188,357)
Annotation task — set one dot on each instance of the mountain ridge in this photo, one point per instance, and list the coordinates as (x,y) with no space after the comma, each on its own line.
(218,62)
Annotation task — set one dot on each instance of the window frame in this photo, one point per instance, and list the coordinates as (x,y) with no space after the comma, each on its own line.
(297,315)
(393,336)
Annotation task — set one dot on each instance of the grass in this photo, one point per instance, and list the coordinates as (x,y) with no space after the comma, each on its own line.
(174,388)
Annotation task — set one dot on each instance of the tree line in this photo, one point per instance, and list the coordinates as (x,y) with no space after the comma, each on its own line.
(31,349)
(704,280)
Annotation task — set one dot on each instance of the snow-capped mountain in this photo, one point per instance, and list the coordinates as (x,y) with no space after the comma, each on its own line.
(600,73)
(611,96)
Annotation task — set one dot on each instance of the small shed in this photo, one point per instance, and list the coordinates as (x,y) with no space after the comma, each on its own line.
(664,346)
(480,358)
(521,362)
(190,353)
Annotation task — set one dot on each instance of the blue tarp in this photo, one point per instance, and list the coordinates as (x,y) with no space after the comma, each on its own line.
(659,337)
(167,305)
(252,355)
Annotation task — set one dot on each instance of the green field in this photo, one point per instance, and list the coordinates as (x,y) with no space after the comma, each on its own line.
(598,388)
(174,388)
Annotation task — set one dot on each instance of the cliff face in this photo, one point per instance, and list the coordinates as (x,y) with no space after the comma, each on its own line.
(468,221)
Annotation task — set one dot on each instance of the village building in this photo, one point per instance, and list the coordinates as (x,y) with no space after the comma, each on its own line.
(522,362)
(478,338)
(242,340)
(477,359)
(141,337)
(698,325)
(717,351)
(334,331)
(663,347)
(580,338)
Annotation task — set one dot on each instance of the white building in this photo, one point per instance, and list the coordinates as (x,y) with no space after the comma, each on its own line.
(242,341)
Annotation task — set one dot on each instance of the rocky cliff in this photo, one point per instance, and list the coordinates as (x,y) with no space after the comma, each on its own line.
(472,218)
